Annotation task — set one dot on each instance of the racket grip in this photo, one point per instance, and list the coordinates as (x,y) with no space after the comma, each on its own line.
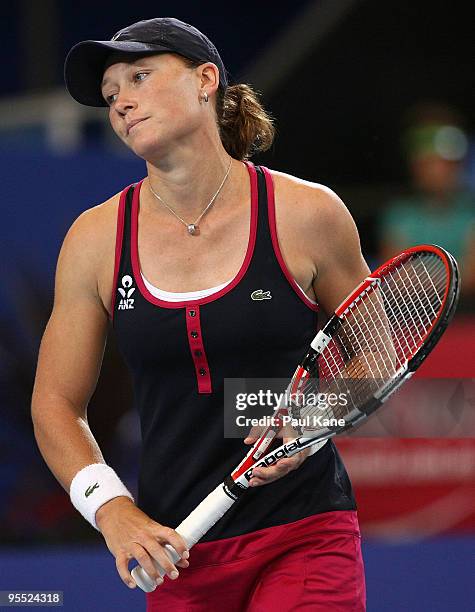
(143,580)
(192,529)
(205,515)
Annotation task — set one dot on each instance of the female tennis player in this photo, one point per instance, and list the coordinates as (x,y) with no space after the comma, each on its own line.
(198,266)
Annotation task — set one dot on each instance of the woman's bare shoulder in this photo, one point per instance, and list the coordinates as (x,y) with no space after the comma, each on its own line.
(95,227)
(307,202)
(97,218)
(90,241)
(288,181)
(315,217)
(86,261)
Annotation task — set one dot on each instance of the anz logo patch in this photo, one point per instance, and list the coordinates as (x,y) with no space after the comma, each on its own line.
(126,291)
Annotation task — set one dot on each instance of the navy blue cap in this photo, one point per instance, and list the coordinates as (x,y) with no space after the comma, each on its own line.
(84,66)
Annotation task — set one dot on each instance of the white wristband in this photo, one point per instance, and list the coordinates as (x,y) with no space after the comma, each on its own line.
(92,487)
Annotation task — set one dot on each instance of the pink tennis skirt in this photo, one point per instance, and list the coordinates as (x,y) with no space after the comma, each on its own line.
(314,564)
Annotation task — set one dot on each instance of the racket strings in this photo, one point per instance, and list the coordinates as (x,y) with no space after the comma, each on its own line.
(379,332)
(414,296)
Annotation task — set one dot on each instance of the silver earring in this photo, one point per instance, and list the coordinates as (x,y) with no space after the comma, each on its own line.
(205,96)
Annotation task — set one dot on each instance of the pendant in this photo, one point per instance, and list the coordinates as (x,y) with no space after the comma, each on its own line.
(193,229)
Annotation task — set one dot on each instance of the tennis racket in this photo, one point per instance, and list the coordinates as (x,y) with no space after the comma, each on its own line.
(376,339)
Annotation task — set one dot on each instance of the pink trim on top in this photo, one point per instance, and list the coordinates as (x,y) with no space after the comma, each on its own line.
(245,264)
(119,238)
(275,241)
(197,349)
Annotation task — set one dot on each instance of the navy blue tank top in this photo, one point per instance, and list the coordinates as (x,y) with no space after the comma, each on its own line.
(179,355)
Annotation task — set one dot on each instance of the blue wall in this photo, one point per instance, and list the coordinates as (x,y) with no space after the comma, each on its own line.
(430,576)
(42,194)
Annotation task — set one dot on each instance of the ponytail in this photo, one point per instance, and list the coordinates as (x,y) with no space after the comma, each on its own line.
(244,125)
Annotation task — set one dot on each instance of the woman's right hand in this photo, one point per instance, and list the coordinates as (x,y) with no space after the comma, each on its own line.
(130,534)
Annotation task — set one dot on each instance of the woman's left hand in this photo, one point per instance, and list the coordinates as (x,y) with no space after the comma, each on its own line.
(265,475)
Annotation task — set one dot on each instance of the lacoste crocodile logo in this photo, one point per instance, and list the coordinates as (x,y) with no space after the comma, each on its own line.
(259,294)
(91,489)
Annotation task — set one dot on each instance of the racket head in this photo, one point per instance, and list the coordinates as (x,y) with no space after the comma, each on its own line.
(379,335)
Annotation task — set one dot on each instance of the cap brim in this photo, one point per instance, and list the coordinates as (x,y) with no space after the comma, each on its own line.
(84,66)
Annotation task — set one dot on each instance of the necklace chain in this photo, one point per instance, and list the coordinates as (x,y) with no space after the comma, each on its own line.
(193,228)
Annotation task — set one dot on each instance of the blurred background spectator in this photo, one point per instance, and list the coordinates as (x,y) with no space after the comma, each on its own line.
(439,206)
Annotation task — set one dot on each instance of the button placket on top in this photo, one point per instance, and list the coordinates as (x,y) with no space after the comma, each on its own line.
(195,341)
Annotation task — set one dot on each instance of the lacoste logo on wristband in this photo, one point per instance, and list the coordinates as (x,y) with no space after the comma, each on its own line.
(91,489)
(259,294)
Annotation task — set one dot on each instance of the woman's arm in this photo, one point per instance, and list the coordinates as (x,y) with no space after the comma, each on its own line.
(339,263)
(69,363)
(69,360)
